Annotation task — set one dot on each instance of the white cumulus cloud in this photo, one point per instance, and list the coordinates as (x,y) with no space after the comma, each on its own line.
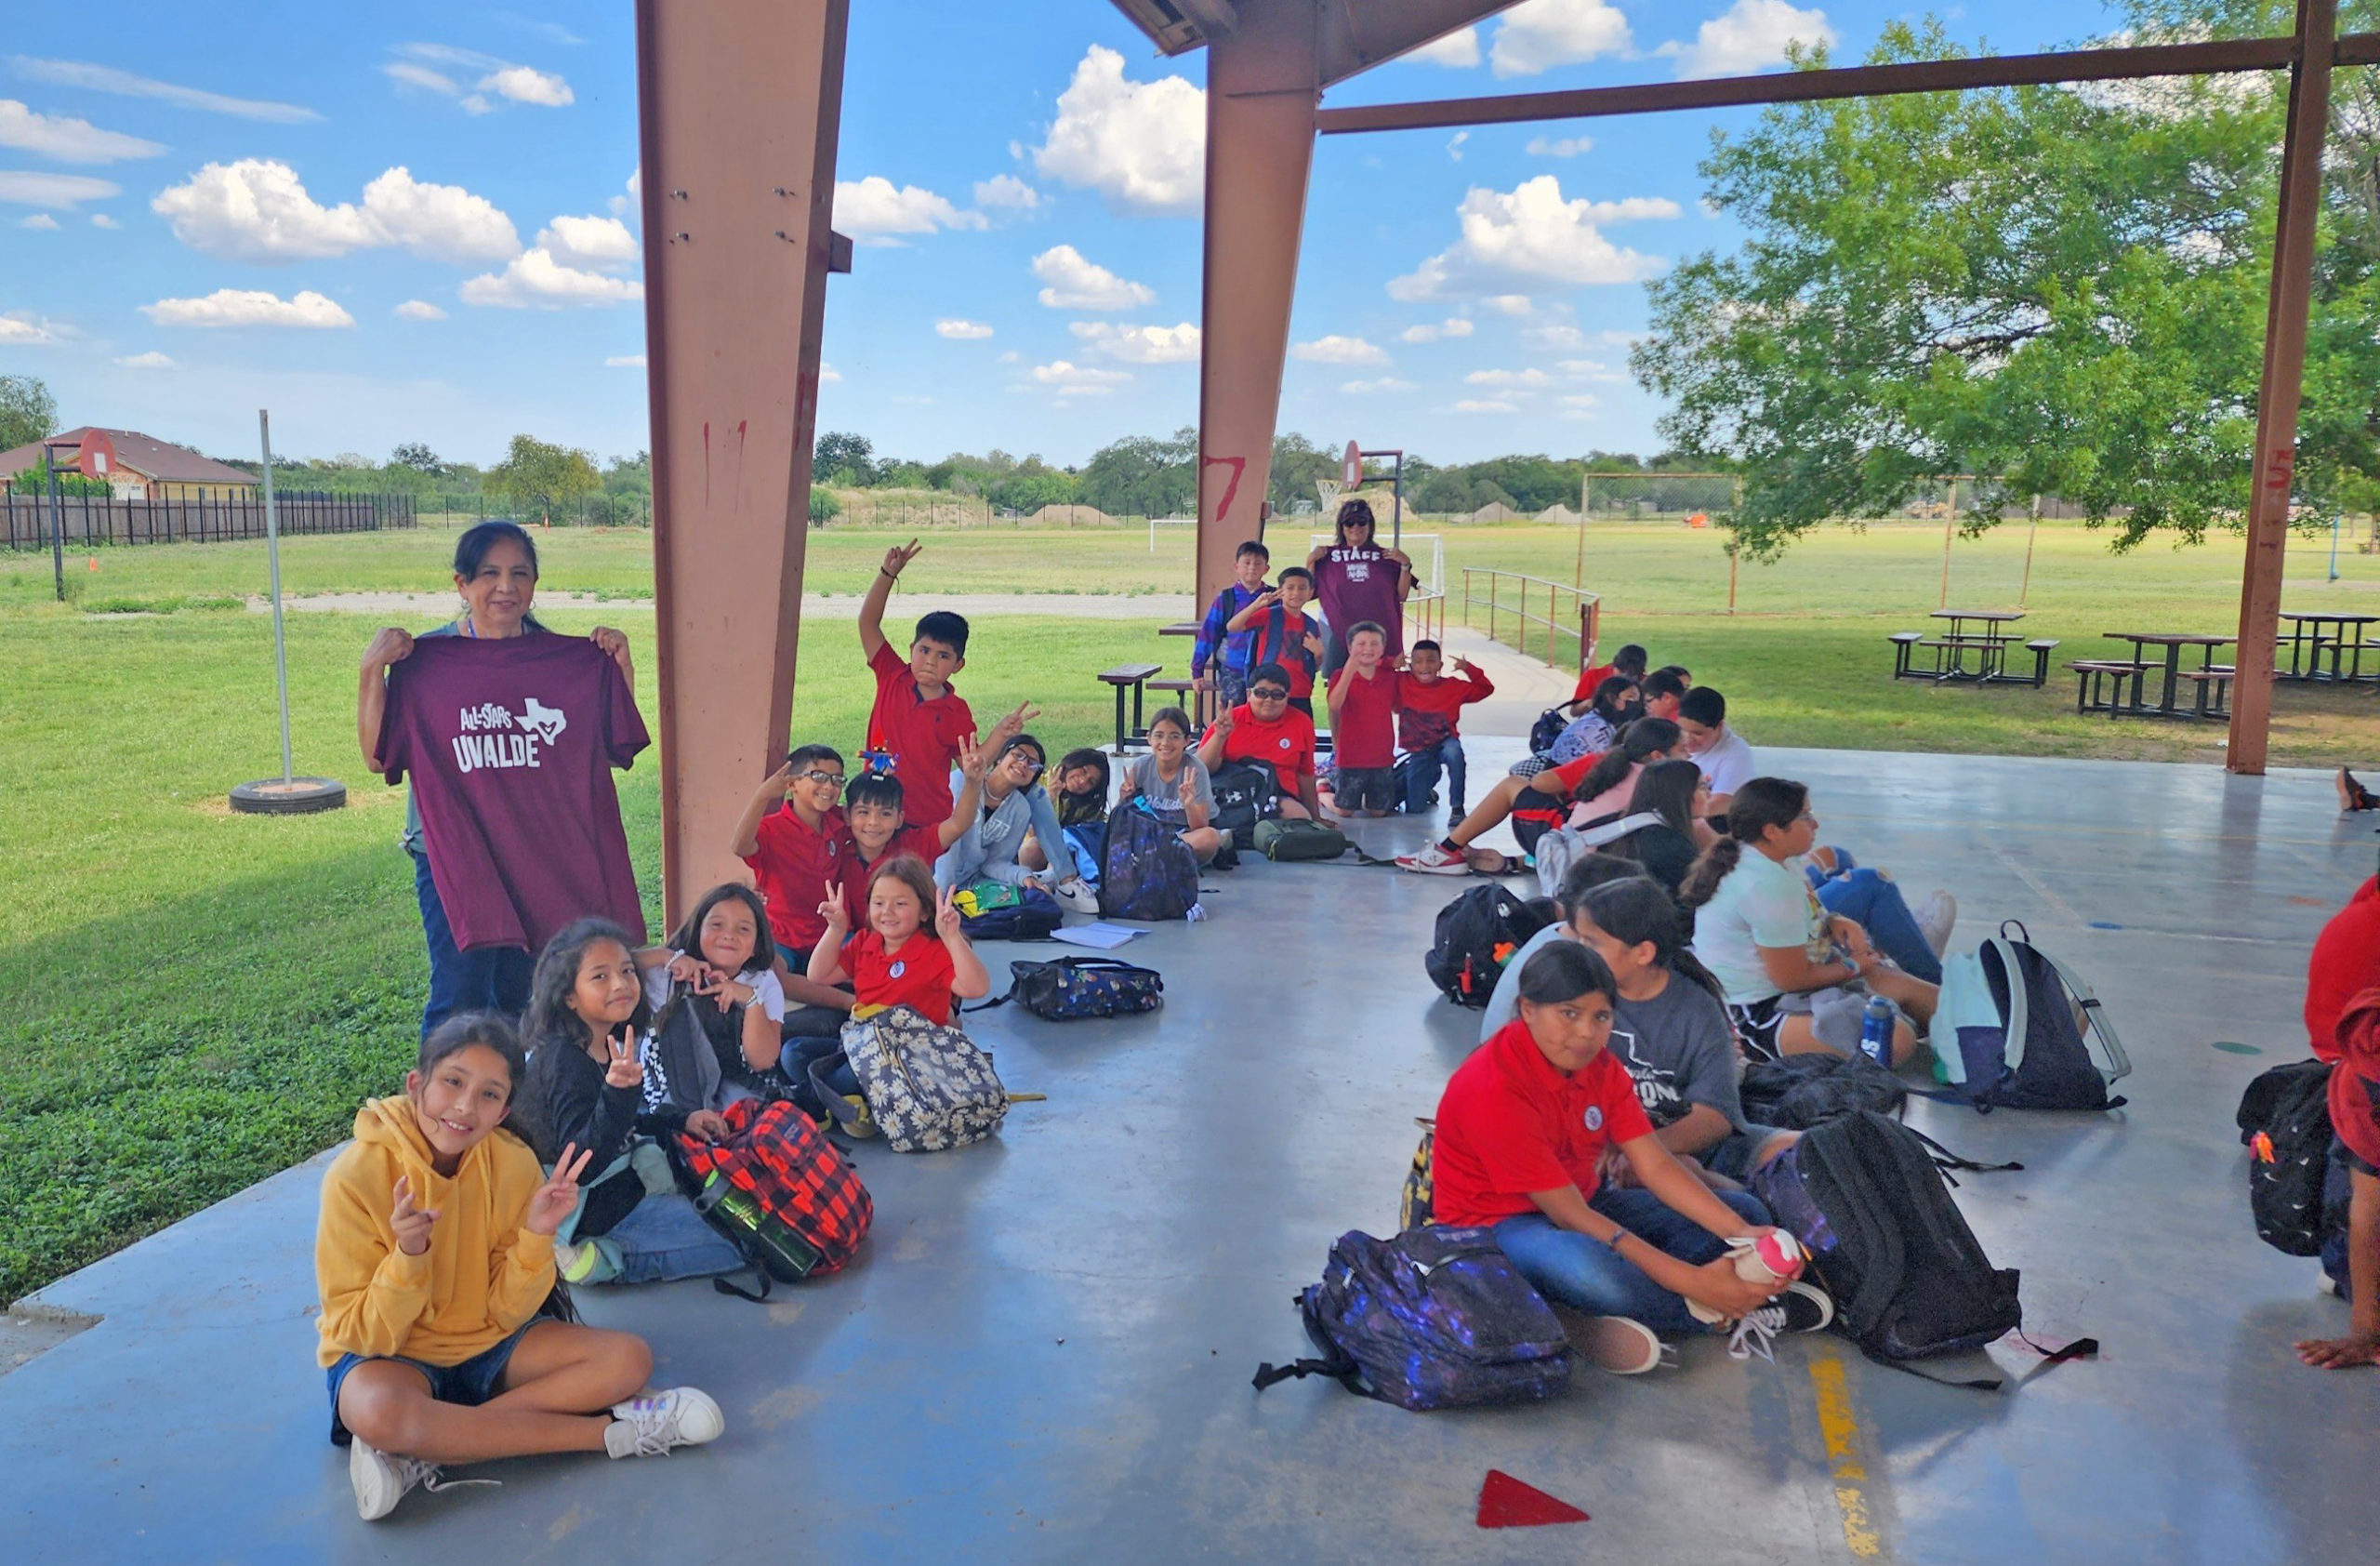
(258,209)
(1589,369)
(600,243)
(1751,36)
(124,84)
(64,192)
(1386,383)
(1069,379)
(23,328)
(1536,35)
(1531,233)
(1560,146)
(1140,345)
(1078,284)
(1508,305)
(1143,145)
(150,361)
(1485,404)
(1006,192)
(962,331)
(535,280)
(419,310)
(523,84)
(625,362)
(101,221)
(1337,349)
(1509,379)
(1459,49)
(67,139)
(494,78)
(874,210)
(1556,336)
(249,307)
(41,220)
(1454,326)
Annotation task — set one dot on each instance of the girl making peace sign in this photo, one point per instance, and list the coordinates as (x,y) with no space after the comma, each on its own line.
(1172,784)
(897,961)
(434,1256)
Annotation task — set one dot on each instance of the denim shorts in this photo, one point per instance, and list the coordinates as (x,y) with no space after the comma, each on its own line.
(470,1384)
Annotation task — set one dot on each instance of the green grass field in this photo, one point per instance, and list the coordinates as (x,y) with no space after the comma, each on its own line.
(201,998)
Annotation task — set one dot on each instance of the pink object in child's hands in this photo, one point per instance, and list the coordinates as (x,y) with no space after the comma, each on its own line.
(1778,1253)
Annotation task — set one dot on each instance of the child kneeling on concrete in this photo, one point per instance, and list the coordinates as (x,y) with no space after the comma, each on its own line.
(1523,1131)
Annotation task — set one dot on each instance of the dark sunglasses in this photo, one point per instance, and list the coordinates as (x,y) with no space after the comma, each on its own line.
(1268,693)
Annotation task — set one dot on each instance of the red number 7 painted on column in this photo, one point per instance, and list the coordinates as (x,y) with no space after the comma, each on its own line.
(1238,466)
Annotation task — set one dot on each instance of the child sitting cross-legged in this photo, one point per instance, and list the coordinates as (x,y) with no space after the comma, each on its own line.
(1524,1131)
(1015,811)
(434,1255)
(1172,784)
(1266,729)
(584,1029)
(897,961)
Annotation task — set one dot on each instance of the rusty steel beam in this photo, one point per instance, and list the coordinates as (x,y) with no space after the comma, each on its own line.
(1260,95)
(2275,459)
(2216,58)
(739,103)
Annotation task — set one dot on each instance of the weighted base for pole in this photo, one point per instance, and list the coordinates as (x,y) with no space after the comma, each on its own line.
(299,796)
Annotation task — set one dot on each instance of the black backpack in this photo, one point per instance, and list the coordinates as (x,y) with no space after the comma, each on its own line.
(1802,1090)
(1863,1196)
(1436,1317)
(1547,729)
(2285,1122)
(1149,873)
(2012,1029)
(1478,934)
(1246,792)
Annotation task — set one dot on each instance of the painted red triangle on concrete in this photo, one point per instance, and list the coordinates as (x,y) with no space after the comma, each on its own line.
(1505,1502)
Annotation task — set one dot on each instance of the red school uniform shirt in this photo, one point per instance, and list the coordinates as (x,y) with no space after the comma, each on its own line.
(2346,961)
(1590,677)
(1429,715)
(1286,743)
(923,842)
(919,976)
(1363,732)
(925,735)
(792,866)
(511,745)
(1510,1123)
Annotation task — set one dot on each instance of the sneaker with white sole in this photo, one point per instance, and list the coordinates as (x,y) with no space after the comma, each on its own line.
(1077,897)
(382,1478)
(1437,859)
(1803,1308)
(1935,916)
(1619,1344)
(655,1424)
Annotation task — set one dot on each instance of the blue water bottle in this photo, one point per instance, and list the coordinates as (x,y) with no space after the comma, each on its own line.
(1876,1031)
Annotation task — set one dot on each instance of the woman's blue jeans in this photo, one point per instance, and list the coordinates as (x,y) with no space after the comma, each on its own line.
(1866,898)
(491,979)
(1585,1274)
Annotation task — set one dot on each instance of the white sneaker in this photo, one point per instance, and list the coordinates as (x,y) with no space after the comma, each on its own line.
(382,1478)
(655,1424)
(1437,859)
(1077,897)
(1935,916)
(1803,1308)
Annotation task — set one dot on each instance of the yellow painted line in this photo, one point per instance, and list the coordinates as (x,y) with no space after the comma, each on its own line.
(1840,1430)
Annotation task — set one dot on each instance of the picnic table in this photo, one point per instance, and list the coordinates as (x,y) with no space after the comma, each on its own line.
(2310,635)
(2209,678)
(1986,645)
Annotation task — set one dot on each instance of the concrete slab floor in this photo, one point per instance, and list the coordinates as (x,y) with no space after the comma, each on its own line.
(1044,1352)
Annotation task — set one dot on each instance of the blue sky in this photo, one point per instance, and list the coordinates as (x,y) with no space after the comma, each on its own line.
(416,225)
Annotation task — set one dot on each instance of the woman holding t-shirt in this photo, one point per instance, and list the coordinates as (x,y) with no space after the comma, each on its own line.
(1358,581)
(495,572)
(1761,932)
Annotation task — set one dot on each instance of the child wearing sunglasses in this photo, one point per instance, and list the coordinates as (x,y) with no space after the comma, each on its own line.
(1264,728)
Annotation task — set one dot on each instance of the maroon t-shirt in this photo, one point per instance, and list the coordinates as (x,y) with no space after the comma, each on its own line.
(1358,585)
(511,746)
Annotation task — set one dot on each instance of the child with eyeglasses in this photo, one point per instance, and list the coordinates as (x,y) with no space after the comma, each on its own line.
(1013,812)
(1265,728)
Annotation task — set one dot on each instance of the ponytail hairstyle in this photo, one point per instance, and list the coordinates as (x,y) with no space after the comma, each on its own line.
(1608,696)
(1644,738)
(1760,804)
(1564,970)
(1634,911)
(1666,789)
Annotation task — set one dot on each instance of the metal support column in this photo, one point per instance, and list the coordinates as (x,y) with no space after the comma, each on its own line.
(2275,459)
(739,103)
(1262,89)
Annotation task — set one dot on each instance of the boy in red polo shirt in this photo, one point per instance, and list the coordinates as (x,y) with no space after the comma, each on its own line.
(1429,725)
(918,718)
(1267,729)
(1524,1131)
(875,814)
(1363,725)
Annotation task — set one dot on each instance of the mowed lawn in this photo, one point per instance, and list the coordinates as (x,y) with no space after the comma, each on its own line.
(201,998)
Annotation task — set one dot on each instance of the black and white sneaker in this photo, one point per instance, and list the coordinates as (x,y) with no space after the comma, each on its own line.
(1803,1308)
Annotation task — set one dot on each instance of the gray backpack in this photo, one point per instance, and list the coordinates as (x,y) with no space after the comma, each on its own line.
(928,1086)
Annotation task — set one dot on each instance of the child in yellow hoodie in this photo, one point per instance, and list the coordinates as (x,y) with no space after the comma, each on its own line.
(434,1255)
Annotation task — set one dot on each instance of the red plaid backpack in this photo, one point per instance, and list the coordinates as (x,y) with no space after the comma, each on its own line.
(780,1192)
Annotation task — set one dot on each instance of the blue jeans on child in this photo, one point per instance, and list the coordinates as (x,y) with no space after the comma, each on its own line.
(492,979)
(1585,1274)
(664,1238)
(1421,773)
(1875,904)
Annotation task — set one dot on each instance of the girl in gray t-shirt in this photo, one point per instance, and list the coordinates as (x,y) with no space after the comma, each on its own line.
(1173,785)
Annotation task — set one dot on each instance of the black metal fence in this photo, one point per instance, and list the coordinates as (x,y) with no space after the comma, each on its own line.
(100,519)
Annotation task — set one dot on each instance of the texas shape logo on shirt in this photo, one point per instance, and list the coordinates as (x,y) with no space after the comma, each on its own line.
(493,737)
